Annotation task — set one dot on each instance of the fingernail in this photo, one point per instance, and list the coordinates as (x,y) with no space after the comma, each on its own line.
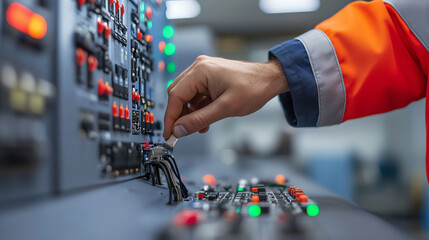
(180,131)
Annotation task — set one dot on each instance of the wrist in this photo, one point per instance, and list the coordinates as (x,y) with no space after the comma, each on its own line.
(276,77)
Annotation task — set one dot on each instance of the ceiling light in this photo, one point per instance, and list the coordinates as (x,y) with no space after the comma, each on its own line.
(179,9)
(288,6)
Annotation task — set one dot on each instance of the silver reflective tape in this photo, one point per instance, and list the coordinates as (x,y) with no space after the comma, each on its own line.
(329,79)
(415,14)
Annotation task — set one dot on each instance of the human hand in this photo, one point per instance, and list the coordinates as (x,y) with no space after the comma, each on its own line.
(215,88)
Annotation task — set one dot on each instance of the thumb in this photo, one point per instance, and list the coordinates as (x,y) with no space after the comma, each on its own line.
(199,119)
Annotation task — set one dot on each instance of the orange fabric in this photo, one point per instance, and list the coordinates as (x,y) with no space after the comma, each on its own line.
(384,65)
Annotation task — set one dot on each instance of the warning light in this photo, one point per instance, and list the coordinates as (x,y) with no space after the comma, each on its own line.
(254,210)
(149,38)
(170,49)
(312,210)
(209,179)
(24,20)
(280,179)
(161,66)
(171,67)
(169,83)
(161,46)
(168,31)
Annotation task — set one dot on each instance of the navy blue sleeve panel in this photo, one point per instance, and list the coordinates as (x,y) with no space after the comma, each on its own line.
(301,103)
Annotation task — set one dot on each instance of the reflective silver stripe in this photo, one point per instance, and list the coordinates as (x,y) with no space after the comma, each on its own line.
(415,14)
(329,79)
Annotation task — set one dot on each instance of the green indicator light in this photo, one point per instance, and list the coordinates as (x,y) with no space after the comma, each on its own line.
(240,189)
(169,49)
(149,24)
(142,17)
(238,210)
(168,31)
(169,83)
(171,67)
(141,7)
(254,210)
(312,210)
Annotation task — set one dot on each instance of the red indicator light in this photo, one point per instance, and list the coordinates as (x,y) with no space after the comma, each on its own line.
(25,21)
(159,2)
(209,179)
(107,30)
(116,5)
(80,56)
(152,118)
(122,10)
(200,195)
(114,109)
(139,34)
(92,63)
(149,38)
(121,111)
(147,117)
(100,25)
(161,66)
(280,179)
(101,87)
(127,113)
(255,199)
(149,13)
(161,46)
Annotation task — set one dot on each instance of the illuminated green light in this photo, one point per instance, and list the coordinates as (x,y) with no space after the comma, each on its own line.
(169,49)
(171,67)
(254,210)
(141,7)
(149,24)
(142,17)
(240,189)
(168,31)
(312,210)
(169,83)
(238,210)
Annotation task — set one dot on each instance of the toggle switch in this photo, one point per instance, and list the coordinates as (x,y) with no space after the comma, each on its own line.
(92,63)
(80,56)
(107,30)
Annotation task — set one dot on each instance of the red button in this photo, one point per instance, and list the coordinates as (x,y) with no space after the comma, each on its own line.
(188,217)
(147,118)
(255,199)
(109,89)
(303,198)
(100,25)
(121,111)
(152,118)
(149,38)
(107,30)
(296,192)
(146,144)
(139,34)
(114,109)
(116,5)
(111,2)
(149,13)
(127,113)
(101,87)
(81,2)
(122,10)
(254,189)
(80,56)
(200,195)
(92,63)
(291,188)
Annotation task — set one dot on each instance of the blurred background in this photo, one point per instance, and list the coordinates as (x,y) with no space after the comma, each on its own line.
(377,162)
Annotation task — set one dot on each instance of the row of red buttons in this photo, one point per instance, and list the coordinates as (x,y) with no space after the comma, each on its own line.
(81,57)
(103,26)
(104,88)
(298,194)
(122,113)
(117,6)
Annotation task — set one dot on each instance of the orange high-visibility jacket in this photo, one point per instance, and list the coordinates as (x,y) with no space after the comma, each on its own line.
(369,58)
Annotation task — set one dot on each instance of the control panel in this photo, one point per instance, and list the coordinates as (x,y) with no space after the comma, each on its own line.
(83,87)
(247,210)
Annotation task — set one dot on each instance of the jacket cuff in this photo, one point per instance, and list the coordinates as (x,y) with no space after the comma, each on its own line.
(317,94)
